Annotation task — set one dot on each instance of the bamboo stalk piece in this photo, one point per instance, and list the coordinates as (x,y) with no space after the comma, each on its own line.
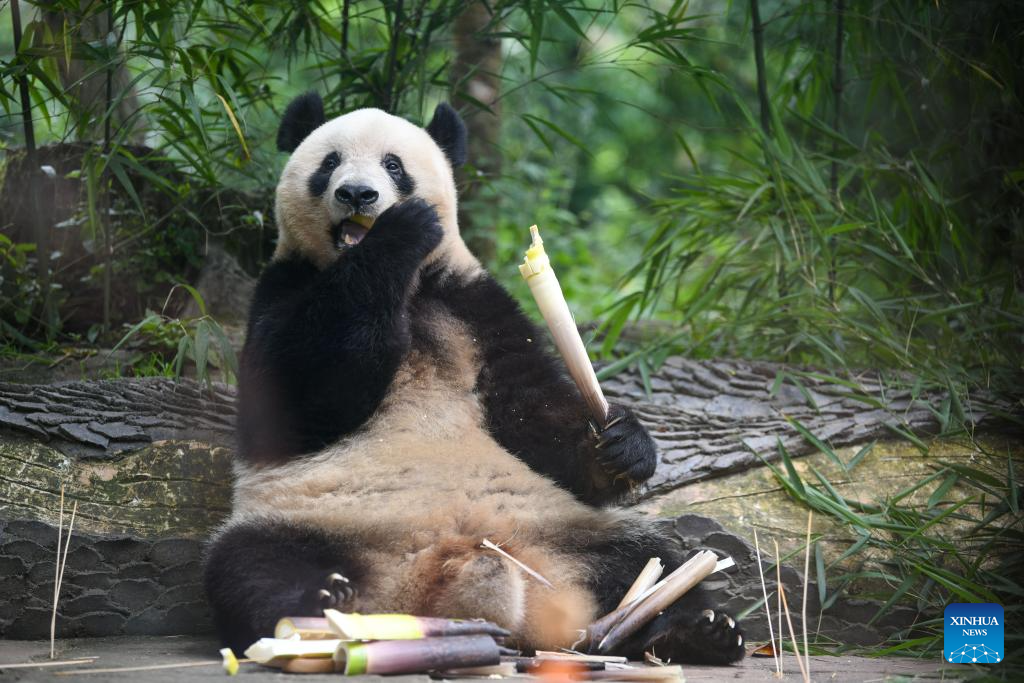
(673,587)
(536,270)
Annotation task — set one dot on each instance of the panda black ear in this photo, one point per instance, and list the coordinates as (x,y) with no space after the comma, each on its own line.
(449,132)
(304,115)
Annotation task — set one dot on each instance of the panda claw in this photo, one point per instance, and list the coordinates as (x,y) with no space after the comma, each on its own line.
(710,614)
(729,620)
(338,592)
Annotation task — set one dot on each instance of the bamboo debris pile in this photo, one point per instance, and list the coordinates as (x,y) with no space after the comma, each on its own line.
(384,644)
(390,644)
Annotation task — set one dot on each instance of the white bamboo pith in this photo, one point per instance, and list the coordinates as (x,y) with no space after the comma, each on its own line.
(647,578)
(536,270)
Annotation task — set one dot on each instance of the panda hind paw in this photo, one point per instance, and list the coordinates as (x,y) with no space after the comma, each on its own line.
(337,593)
(710,638)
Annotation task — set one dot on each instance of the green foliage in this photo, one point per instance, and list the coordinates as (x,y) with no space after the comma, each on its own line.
(199,339)
(950,548)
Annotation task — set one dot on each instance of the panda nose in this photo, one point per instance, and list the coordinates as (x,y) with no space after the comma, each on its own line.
(356,196)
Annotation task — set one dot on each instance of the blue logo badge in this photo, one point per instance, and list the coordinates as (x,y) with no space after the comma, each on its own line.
(973,633)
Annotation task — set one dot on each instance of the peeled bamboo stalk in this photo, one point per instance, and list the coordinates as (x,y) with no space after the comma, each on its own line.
(304,628)
(648,576)
(536,270)
(404,626)
(273,651)
(674,587)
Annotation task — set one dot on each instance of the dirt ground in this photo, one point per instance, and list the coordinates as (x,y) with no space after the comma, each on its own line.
(134,651)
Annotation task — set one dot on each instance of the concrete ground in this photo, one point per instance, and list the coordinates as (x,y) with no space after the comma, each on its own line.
(137,651)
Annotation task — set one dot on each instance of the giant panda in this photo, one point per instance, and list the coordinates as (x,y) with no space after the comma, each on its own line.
(396,407)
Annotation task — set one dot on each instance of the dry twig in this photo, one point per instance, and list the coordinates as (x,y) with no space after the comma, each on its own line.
(767,611)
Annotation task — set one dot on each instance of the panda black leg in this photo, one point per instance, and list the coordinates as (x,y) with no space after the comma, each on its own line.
(692,630)
(258,572)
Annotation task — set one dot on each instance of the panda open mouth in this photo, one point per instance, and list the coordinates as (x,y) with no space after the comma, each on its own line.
(348,233)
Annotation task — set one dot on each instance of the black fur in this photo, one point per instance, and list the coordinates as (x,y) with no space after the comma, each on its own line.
(683,632)
(304,115)
(403,181)
(323,346)
(257,573)
(321,177)
(533,409)
(449,132)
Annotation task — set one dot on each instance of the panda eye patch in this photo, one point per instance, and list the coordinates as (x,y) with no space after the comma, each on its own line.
(392,164)
(330,162)
(402,180)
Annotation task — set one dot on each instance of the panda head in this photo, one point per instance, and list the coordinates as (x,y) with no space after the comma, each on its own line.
(357,166)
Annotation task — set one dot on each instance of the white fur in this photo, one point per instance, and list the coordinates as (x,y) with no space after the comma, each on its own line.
(362,138)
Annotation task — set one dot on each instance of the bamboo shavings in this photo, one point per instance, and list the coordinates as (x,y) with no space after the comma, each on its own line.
(536,270)
(649,576)
(492,546)
(789,622)
(63,662)
(767,611)
(671,672)
(807,569)
(60,563)
(580,657)
(149,667)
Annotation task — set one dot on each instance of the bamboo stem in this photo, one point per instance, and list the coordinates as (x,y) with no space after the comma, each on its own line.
(642,610)
(344,51)
(762,80)
(26,100)
(837,92)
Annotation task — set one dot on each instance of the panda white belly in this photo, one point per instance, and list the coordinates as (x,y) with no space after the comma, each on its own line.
(420,487)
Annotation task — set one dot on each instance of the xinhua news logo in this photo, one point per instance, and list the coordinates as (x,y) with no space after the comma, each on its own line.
(973,633)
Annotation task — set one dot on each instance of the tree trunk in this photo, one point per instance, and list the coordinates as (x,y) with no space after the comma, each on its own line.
(89,84)
(476,85)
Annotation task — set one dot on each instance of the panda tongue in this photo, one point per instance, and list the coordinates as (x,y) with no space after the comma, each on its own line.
(352,233)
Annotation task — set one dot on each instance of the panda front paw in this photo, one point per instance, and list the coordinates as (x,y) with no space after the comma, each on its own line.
(412,223)
(624,448)
(710,637)
(338,593)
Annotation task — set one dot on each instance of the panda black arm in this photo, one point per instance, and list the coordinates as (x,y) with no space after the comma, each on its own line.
(324,345)
(534,410)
